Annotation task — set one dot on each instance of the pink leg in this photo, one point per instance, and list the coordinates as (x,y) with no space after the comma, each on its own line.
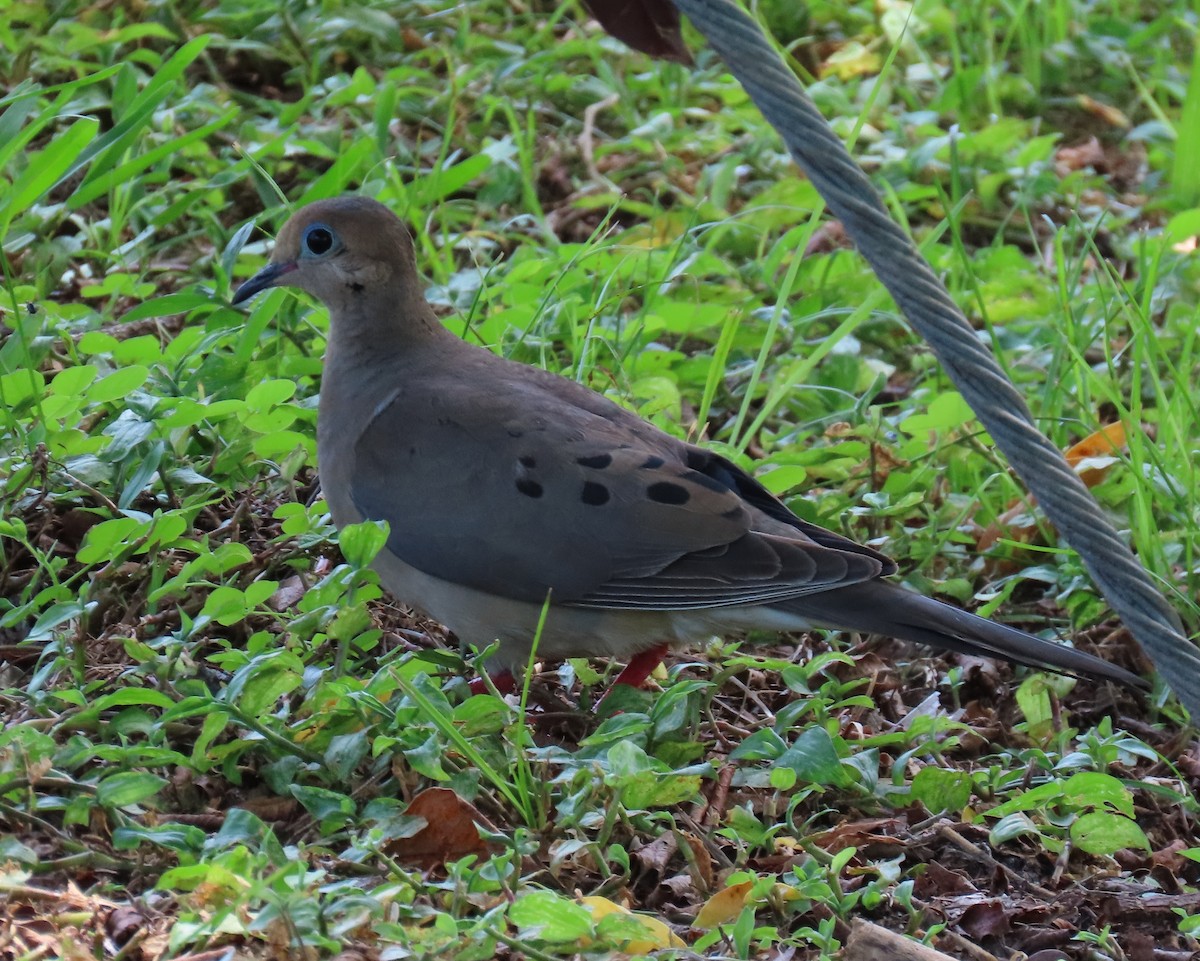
(504,681)
(640,667)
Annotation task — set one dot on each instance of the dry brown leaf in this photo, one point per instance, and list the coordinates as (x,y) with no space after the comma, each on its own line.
(270,808)
(412,40)
(876,832)
(289,593)
(450,832)
(701,858)
(937,881)
(657,854)
(1079,157)
(985,918)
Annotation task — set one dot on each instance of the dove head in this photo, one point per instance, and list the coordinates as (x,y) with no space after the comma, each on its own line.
(347,252)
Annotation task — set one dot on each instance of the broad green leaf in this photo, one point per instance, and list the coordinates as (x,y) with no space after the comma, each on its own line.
(1012,827)
(270,393)
(185,838)
(1106,833)
(345,753)
(361,542)
(545,916)
(326,806)
(650,790)
(815,759)
(942,790)
(128,787)
(168,305)
(1095,789)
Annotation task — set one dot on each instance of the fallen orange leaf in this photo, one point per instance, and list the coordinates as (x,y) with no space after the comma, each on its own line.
(1103,445)
(450,832)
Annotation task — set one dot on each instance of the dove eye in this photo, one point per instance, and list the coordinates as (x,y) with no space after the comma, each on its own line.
(319,240)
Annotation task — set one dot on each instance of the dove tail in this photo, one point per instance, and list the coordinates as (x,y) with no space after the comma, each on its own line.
(879,607)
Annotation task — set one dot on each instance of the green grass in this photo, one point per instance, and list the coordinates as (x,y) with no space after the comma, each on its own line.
(214,715)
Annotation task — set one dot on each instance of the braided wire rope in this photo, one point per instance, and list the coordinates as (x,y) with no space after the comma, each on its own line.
(1126,585)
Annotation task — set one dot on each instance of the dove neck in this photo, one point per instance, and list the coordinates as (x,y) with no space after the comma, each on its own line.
(362,334)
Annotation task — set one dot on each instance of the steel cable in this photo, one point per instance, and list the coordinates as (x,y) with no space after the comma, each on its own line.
(923,298)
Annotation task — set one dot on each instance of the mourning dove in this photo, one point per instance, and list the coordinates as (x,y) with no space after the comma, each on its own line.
(503,485)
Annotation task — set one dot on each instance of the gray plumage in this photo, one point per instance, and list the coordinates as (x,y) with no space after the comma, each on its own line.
(501,482)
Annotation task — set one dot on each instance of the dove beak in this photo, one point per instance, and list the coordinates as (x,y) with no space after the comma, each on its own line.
(269,276)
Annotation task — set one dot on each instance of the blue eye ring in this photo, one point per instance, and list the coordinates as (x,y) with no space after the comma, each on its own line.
(319,240)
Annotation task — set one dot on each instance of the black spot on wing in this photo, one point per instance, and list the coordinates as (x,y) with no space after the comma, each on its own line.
(667,492)
(529,487)
(594,494)
(652,463)
(528,460)
(595,461)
